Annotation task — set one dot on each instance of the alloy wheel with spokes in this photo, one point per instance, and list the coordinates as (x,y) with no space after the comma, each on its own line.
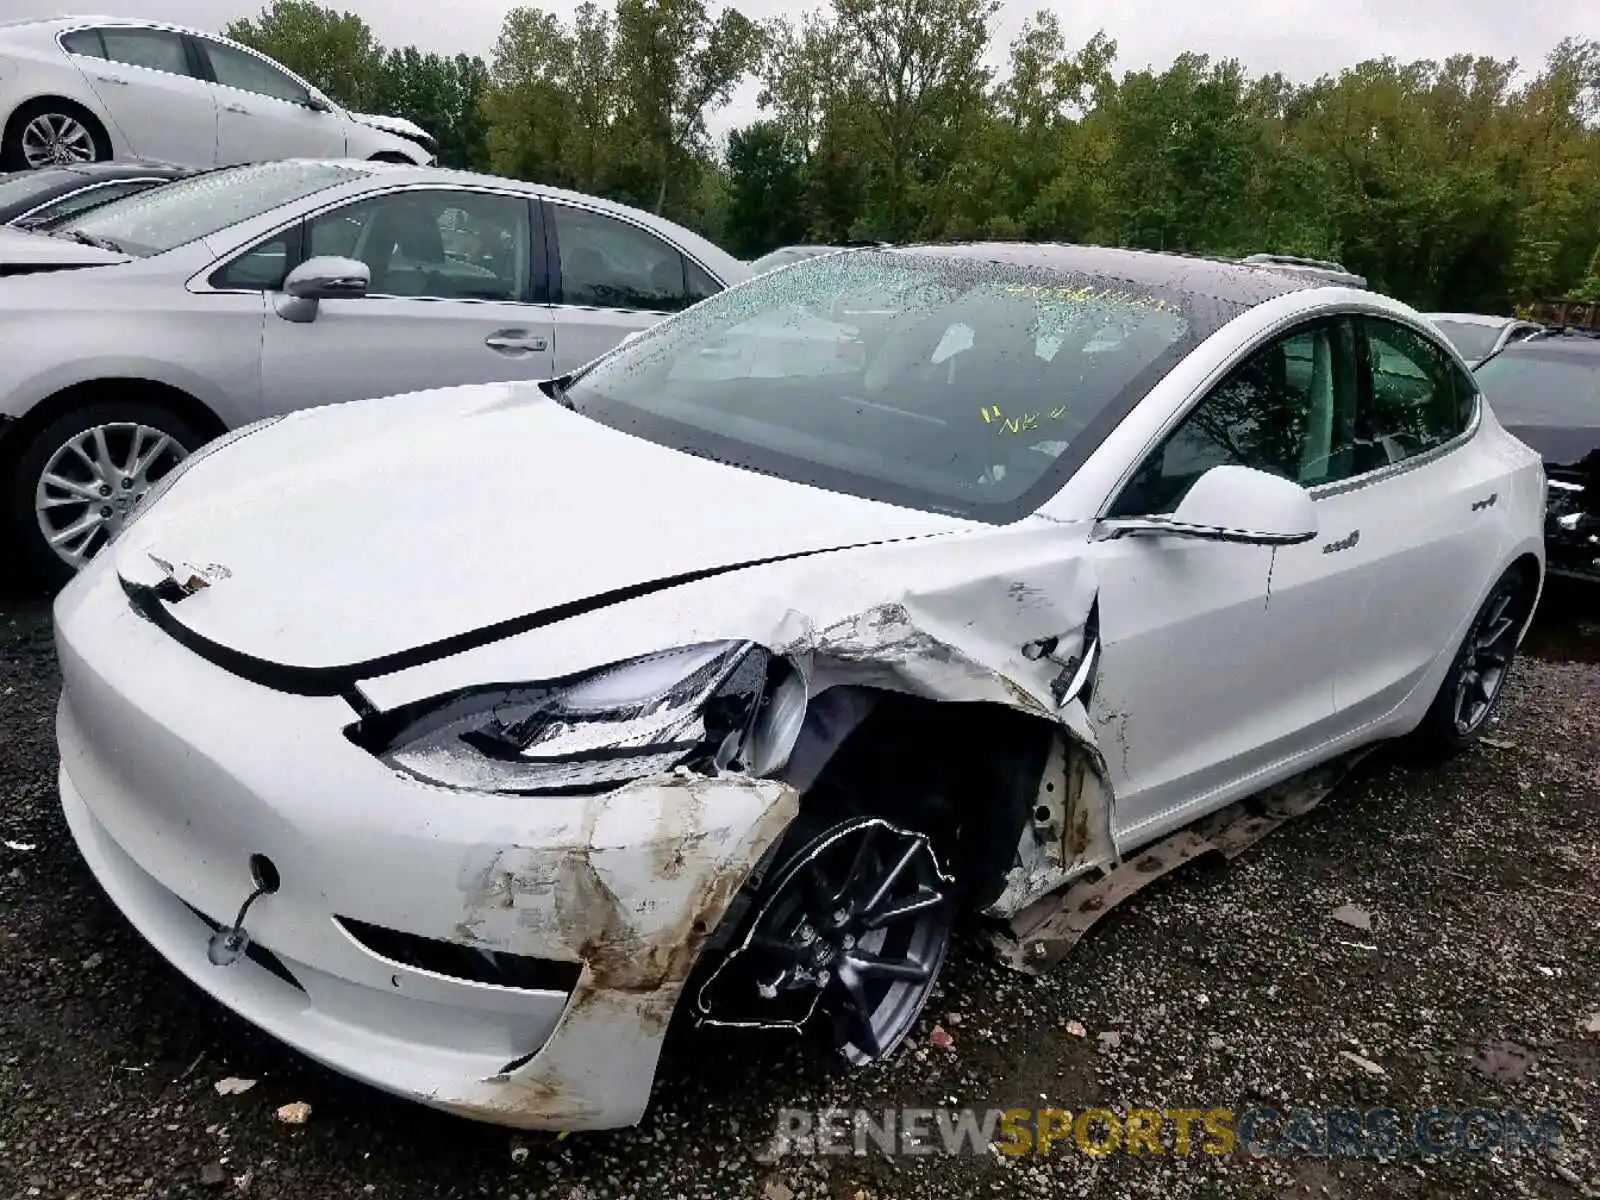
(1486,660)
(94,480)
(56,139)
(856,923)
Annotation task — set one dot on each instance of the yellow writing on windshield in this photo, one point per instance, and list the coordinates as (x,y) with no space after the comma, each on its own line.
(1088,294)
(992,416)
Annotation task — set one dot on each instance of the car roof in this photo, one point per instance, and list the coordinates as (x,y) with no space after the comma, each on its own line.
(1578,345)
(712,256)
(1474,319)
(1239,283)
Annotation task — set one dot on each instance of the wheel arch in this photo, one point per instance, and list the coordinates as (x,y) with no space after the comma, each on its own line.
(969,773)
(189,408)
(101,123)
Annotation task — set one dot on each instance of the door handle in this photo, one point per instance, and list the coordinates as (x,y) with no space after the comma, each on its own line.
(513,341)
(1347,542)
(112,79)
(1486,502)
(236,108)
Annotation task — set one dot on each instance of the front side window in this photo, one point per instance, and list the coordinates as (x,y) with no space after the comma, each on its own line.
(160,219)
(153,49)
(1290,409)
(607,263)
(922,379)
(263,267)
(236,69)
(1420,397)
(439,245)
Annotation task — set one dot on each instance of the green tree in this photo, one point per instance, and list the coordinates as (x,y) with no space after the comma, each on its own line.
(333,50)
(766,189)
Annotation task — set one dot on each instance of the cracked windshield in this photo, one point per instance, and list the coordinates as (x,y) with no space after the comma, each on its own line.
(942,384)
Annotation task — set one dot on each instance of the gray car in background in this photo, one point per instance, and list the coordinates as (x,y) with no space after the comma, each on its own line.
(134,334)
(1477,336)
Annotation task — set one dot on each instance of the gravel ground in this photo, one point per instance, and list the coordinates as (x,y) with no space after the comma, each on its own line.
(1217,987)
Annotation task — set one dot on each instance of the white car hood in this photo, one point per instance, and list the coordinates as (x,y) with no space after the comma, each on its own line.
(22,251)
(397,125)
(348,534)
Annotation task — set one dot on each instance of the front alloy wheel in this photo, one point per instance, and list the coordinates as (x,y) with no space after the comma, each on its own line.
(93,481)
(857,923)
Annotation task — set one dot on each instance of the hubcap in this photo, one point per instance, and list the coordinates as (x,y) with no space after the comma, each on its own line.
(92,483)
(858,925)
(55,139)
(1489,647)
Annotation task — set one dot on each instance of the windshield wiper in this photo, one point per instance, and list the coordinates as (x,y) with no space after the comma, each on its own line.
(88,239)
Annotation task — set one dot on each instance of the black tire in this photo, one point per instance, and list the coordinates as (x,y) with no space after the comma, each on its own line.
(51,568)
(1461,712)
(11,155)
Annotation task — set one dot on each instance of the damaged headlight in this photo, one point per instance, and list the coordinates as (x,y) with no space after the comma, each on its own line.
(719,706)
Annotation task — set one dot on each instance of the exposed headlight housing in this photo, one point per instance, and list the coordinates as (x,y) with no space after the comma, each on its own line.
(718,706)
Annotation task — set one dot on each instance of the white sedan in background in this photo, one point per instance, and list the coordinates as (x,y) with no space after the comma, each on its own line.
(85,89)
(137,332)
(459,739)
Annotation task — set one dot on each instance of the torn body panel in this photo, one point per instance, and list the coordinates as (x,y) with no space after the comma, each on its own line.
(1018,637)
(636,911)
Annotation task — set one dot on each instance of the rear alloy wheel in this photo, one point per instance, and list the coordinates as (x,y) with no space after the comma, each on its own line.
(1477,677)
(49,133)
(857,923)
(85,473)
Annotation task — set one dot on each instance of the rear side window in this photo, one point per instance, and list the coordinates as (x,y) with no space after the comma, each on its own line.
(153,49)
(700,284)
(1420,398)
(85,42)
(607,263)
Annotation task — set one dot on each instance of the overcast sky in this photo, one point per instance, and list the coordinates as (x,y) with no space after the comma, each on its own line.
(1301,38)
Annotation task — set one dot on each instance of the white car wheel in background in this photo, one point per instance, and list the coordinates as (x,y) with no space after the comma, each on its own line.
(82,475)
(46,133)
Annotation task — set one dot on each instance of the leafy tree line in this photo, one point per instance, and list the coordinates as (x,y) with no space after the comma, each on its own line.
(1455,184)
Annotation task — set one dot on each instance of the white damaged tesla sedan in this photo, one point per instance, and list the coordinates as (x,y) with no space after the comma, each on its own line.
(460,739)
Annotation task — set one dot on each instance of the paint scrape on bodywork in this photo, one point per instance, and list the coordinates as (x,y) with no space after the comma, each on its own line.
(632,894)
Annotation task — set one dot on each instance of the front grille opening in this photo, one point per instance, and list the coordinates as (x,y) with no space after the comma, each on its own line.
(474,964)
(255,952)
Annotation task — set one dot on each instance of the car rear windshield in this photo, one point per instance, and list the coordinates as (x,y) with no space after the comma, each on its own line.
(1470,340)
(19,188)
(1543,388)
(163,218)
(926,380)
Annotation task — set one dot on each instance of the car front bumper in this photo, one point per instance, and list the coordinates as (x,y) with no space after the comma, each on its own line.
(173,773)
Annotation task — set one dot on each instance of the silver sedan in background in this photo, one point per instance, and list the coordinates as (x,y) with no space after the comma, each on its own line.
(135,333)
(1478,337)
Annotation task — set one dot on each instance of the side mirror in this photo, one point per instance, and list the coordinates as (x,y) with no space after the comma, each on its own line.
(326,277)
(317,103)
(1230,504)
